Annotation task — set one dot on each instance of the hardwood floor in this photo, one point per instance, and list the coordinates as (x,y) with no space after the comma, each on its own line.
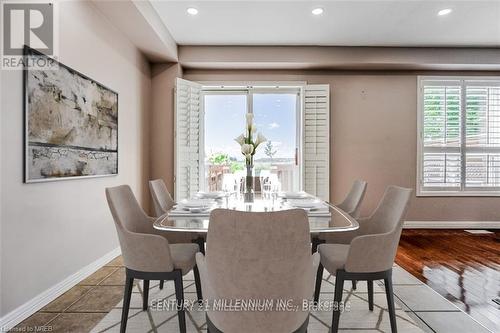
(463,267)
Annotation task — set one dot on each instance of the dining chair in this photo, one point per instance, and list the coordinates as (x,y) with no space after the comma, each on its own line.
(259,256)
(147,254)
(352,203)
(163,202)
(370,255)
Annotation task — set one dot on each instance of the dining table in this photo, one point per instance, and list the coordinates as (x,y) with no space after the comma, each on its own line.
(323,216)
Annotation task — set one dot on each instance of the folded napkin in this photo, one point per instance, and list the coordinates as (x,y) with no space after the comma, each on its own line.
(196,203)
(189,212)
(306,203)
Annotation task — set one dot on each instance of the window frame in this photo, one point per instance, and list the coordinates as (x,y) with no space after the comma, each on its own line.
(249,89)
(462,191)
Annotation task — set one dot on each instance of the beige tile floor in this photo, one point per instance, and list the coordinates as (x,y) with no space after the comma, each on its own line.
(358,318)
(94,305)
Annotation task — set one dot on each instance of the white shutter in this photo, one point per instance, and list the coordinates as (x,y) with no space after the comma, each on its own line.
(459,143)
(482,151)
(188,138)
(441,144)
(316,149)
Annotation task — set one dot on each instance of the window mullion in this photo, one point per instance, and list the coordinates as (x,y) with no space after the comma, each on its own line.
(463,134)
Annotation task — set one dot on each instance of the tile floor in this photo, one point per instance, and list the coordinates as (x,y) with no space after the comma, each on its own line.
(94,305)
(83,306)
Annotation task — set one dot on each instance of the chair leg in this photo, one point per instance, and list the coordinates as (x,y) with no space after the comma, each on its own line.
(126,303)
(390,302)
(161,284)
(201,244)
(179,295)
(370,294)
(337,299)
(354,284)
(197,282)
(145,287)
(319,279)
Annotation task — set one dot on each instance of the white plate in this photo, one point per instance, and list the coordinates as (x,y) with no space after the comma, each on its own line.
(210,195)
(294,195)
(196,203)
(306,203)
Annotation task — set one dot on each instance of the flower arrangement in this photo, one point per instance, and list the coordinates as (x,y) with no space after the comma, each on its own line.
(247,142)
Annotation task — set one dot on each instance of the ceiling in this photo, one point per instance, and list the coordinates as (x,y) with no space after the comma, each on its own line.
(344,23)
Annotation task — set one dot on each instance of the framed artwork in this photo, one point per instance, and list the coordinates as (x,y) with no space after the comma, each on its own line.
(70,124)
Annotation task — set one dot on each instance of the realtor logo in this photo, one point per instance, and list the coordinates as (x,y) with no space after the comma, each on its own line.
(27,23)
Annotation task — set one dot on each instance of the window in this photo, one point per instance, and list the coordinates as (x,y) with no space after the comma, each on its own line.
(293,117)
(275,115)
(459,136)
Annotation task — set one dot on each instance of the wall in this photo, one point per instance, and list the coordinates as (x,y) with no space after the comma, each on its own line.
(162,122)
(51,230)
(373,137)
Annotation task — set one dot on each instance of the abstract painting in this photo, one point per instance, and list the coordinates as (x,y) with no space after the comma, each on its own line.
(71,124)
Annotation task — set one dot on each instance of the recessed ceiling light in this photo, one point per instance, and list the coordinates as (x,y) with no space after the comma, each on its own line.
(317,11)
(444,11)
(192,11)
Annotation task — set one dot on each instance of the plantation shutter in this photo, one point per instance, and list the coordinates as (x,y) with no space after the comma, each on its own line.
(188,139)
(441,160)
(482,141)
(316,129)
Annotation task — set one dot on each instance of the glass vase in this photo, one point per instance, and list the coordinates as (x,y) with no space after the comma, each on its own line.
(249,185)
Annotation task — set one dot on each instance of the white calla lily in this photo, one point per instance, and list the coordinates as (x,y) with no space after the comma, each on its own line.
(246,149)
(260,138)
(249,119)
(240,139)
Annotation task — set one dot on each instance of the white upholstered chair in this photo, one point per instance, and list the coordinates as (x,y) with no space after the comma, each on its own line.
(258,256)
(370,255)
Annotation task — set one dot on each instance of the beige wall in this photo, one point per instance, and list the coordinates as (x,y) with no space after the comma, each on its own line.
(162,122)
(52,230)
(373,137)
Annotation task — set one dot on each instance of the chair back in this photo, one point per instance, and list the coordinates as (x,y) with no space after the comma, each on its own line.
(375,252)
(391,209)
(258,256)
(126,211)
(141,250)
(162,200)
(352,203)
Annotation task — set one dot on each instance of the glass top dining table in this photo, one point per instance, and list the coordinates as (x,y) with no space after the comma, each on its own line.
(326,220)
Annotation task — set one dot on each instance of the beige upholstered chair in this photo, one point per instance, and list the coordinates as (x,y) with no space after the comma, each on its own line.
(147,254)
(258,256)
(162,200)
(371,253)
(352,203)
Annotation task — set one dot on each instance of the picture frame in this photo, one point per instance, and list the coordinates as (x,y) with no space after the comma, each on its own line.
(70,123)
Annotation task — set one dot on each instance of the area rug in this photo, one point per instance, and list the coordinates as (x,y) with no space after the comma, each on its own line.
(357,319)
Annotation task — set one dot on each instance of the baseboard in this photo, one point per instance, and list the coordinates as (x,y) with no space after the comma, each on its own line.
(17,315)
(452,225)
